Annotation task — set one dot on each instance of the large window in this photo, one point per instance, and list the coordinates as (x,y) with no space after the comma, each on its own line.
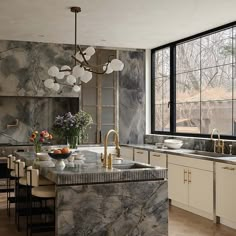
(193,84)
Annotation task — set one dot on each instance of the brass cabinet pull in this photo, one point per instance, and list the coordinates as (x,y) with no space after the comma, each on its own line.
(139,152)
(228,168)
(189,176)
(155,155)
(185,179)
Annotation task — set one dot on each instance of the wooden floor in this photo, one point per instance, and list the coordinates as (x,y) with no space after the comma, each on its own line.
(181,223)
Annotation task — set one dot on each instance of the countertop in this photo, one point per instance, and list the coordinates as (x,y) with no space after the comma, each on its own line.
(91,171)
(226,158)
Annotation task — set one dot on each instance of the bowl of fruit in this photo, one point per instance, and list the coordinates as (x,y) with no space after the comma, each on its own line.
(59,155)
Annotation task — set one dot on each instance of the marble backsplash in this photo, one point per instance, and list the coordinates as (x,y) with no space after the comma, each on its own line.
(192,142)
(31,113)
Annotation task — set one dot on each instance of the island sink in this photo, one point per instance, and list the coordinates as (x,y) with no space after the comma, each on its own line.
(131,166)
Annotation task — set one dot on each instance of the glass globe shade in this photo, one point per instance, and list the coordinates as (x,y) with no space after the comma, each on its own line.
(49,83)
(78,71)
(56,87)
(109,69)
(79,56)
(86,77)
(122,67)
(116,64)
(70,79)
(53,71)
(76,88)
(65,67)
(87,57)
(89,51)
(60,75)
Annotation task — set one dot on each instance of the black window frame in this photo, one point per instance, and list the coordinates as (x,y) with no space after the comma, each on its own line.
(172,102)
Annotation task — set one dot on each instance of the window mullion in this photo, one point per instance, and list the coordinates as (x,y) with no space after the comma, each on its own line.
(173,88)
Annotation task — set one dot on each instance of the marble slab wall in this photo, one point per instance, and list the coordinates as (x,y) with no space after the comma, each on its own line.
(120,209)
(132,97)
(24,66)
(31,113)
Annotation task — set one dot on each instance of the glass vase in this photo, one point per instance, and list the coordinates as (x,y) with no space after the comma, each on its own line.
(72,141)
(37,147)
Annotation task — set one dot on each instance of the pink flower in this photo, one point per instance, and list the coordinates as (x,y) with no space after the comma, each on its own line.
(41,140)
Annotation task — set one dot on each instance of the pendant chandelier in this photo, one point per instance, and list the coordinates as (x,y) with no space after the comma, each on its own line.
(82,70)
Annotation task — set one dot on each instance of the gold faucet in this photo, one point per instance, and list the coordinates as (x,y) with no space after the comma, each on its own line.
(105,156)
(220,143)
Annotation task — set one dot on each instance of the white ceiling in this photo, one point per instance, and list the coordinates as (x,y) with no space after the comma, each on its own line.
(112,23)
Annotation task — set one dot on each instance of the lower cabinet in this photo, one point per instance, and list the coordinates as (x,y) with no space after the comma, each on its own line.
(191,186)
(178,183)
(158,159)
(127,153)
(141,156)
(226,191)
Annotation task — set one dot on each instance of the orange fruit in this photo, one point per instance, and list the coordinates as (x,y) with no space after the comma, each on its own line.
(57,151)
(65,150)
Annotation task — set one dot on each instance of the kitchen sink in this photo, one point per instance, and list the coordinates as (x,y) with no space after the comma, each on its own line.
(210,154)
(132,166)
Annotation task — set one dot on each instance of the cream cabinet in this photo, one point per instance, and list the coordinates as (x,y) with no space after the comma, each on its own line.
(226,191)
(158,159)
(127,153)
(141,156)
(177,183)
(191,182)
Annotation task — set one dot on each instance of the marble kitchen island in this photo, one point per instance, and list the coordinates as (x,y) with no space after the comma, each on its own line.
(92,200)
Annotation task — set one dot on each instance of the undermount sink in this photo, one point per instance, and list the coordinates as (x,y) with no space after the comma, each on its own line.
(132,166)
(210,154)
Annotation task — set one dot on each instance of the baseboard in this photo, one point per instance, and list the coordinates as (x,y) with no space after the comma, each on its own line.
(193,210)
(229,223)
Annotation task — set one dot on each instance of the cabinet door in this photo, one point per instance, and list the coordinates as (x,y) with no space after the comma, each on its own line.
(226,191)
(126,153)
(141,155)
(201,189)
(177,183)
(158,159)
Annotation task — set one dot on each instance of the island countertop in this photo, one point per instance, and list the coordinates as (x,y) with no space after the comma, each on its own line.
(92,171)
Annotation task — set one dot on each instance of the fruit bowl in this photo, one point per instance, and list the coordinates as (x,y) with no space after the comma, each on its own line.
(59,156)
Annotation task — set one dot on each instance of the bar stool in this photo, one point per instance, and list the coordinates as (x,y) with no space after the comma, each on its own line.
(19,197)
(22,196)
(46,192)
(10,176)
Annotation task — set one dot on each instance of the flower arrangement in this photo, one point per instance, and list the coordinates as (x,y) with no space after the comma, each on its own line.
(70,125)
(39,138)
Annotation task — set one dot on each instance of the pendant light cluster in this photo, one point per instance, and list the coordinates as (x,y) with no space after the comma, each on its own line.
(82,71)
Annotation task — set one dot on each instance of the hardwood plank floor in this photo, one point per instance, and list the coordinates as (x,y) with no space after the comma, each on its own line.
(181,223)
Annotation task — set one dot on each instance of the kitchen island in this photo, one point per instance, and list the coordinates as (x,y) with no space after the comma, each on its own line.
(130,199)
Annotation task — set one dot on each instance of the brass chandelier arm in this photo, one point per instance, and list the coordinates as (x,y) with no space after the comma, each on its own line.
(90,65)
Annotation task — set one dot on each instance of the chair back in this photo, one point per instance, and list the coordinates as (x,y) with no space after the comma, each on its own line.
(11,162)
(20,168)
(32,176)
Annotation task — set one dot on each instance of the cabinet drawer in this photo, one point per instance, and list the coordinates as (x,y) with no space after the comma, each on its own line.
(127,153)
(141,156)
(191,162)
(158,159)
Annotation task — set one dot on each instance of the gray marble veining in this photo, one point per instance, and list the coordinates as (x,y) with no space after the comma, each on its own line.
(121,209)
(132,97)
(92,172)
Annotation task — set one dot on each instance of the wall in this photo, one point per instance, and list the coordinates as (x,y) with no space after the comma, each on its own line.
(24,66)
(132,97)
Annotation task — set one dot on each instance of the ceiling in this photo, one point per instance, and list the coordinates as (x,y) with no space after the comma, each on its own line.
(112,23)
